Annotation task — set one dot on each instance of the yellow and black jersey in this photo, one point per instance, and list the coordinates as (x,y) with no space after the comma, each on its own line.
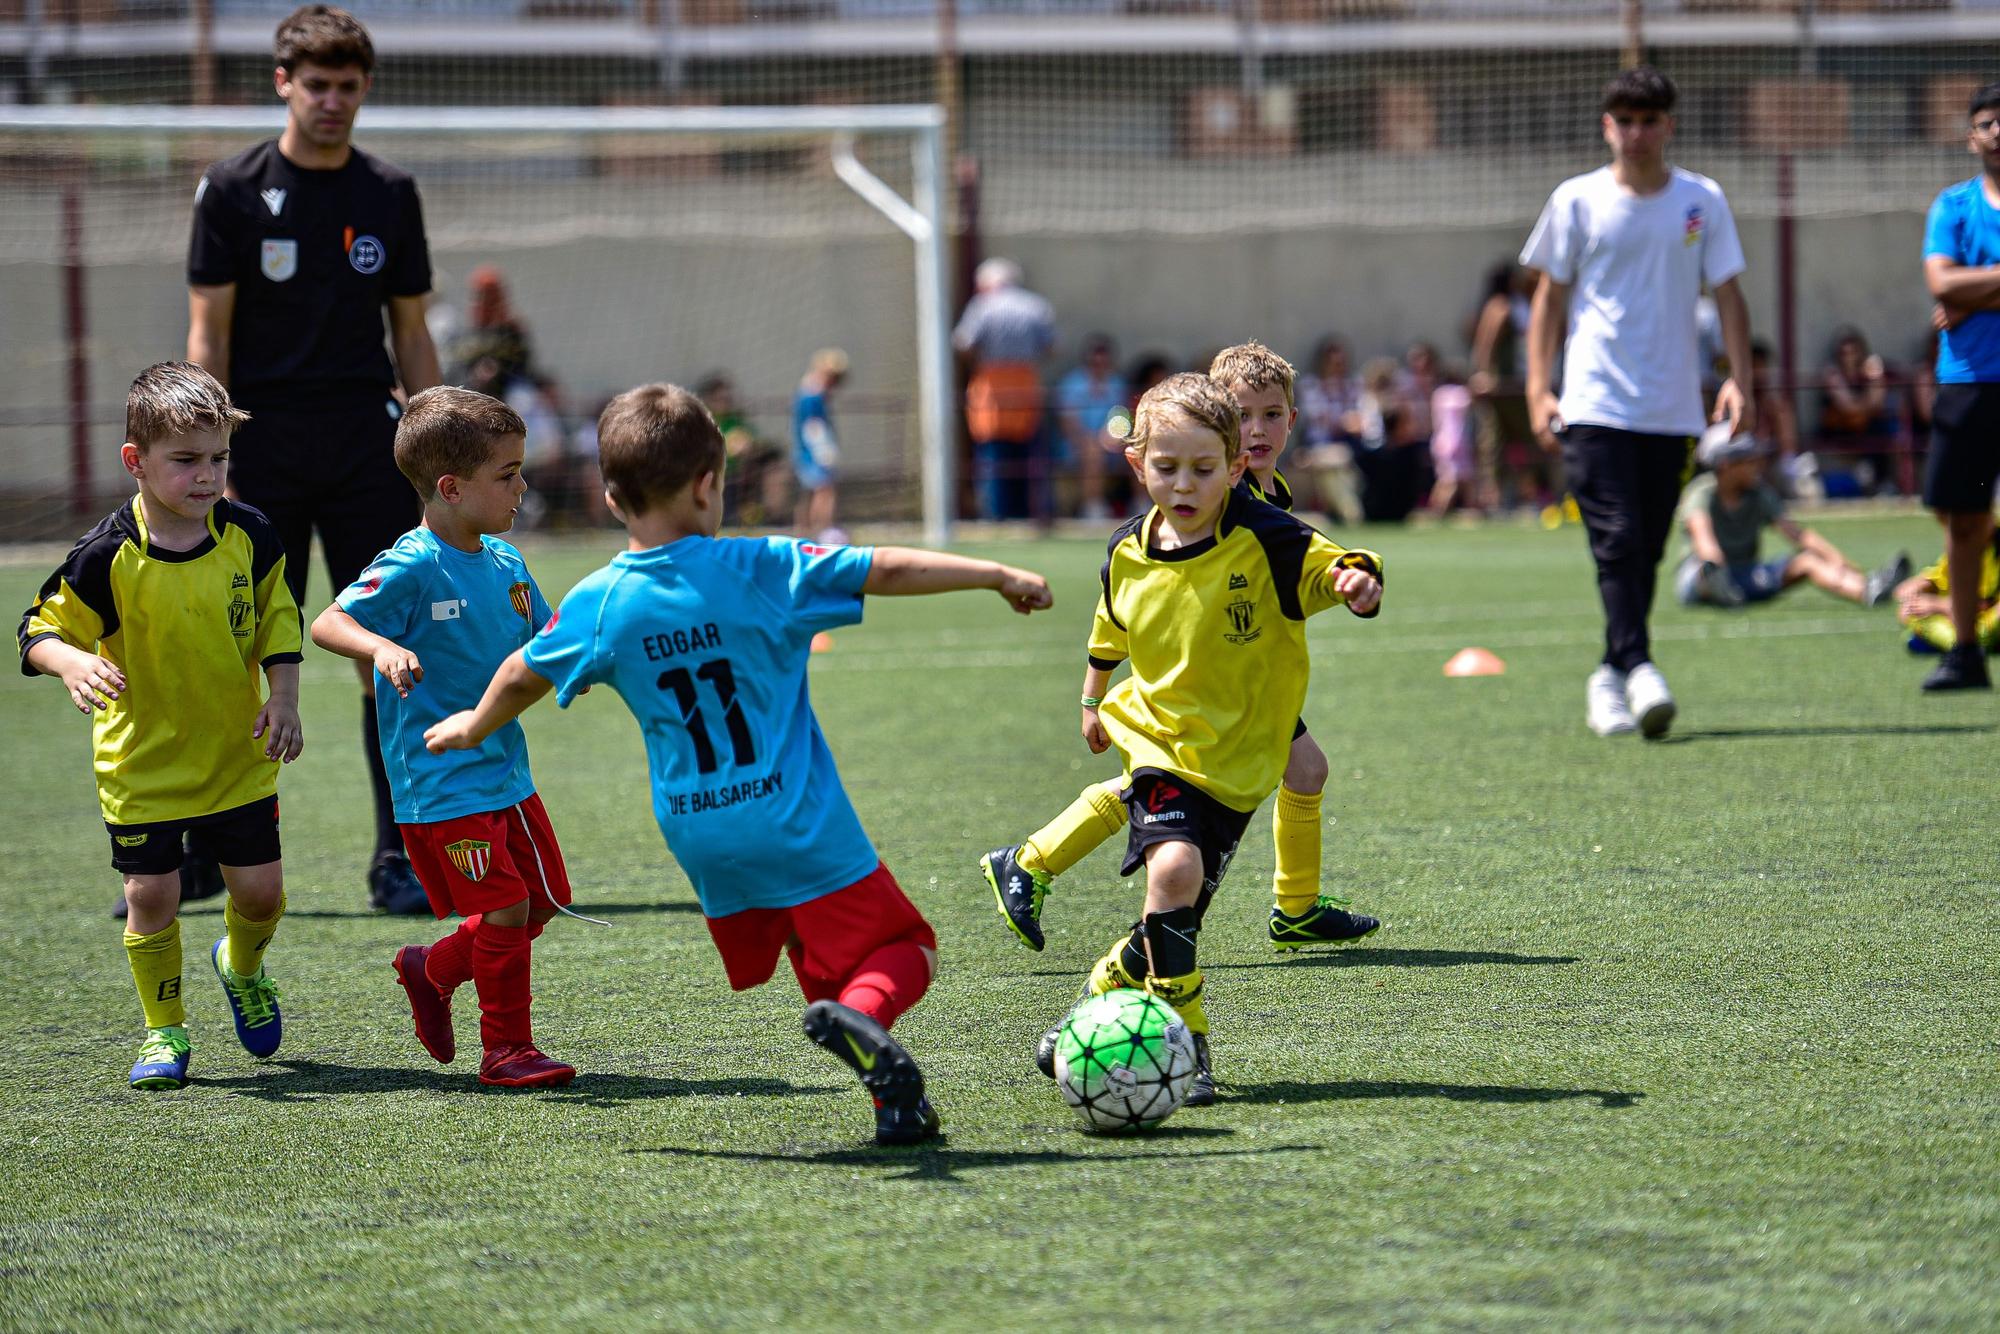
(1989,572)
(191,630)
(1280,494)
(1215,634)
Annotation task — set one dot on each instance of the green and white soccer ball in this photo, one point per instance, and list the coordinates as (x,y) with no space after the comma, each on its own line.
(1124,1061)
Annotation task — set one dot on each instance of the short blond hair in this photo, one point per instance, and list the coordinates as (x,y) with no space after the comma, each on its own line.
(172,398)
(1189,397)
(1256,366)
(448,431)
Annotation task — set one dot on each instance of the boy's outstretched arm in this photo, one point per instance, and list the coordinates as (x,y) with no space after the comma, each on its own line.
(337,632)
(513,689)
(906,571)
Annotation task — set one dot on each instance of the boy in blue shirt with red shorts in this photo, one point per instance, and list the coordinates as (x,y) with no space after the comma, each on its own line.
(707,640)
(436,613)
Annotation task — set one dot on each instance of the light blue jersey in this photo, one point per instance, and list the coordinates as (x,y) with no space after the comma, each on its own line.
(461,613)
(1964,228)
(707,640)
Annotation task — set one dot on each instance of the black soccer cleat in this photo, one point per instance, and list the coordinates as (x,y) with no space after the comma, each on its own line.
(1201,1089)
(1045,1050)
(1018,891)
(903,1115)
(1963,667)
(393,887)
(201,875)
(1325,923)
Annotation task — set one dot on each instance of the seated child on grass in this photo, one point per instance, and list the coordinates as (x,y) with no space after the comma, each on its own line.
(1723,514)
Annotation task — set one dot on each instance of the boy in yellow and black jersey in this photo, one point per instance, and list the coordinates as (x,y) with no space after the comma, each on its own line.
(1301,915)
(1206,597)
(159,624)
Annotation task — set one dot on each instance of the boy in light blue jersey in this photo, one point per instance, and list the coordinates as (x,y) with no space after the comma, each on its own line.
(436,613)
(707,640)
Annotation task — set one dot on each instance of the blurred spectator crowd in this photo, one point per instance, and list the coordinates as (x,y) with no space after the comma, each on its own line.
(1378,441)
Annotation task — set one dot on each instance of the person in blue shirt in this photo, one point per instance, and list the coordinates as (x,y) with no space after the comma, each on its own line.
(1962,269)
(706,639)
(1086,400)
(436,614)
(815,447)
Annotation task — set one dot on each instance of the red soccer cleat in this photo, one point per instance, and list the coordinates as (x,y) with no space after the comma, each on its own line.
(521,1066)
(428,1006)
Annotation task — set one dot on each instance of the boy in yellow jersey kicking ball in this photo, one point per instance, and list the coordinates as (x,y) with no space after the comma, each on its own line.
(158,624)
(1261,381)
(1206,595)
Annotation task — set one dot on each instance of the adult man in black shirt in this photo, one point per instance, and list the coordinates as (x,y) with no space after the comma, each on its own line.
(299,244)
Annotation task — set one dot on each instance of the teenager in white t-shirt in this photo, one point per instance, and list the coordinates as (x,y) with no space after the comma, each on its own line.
(1623,254)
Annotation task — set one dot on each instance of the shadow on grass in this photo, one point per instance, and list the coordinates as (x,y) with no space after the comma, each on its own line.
(308,1081)
(1345,1090)
(1363,958)
(938,1161)
(213,908)
(1822,730)
(1380,958)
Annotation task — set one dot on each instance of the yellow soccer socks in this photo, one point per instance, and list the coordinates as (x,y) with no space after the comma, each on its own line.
(1295,827)
(247,939)
(1123,966)
(1094,816)
(156,970)
(1184,994)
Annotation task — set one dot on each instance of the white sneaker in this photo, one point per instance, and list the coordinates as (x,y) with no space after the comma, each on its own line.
(1649,700)
(1604,703)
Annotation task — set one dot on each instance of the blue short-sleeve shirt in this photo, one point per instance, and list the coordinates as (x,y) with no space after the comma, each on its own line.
(462,613)
(707,641)
(1964,228)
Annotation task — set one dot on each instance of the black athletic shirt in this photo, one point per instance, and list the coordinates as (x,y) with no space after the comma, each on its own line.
(315,256)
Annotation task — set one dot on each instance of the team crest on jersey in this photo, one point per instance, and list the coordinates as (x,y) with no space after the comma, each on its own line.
(523,603)
(1237,582)
(1243,625)
(1695,221)
(239,616)
(367,255)
(280,260)
(471,856)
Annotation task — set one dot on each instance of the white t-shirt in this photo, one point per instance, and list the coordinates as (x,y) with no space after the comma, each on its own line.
(1634,265)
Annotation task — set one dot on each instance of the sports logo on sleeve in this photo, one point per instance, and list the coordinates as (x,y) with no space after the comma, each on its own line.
(367,255)
(1695,221)
(524,603)
(280,260)
(471,856)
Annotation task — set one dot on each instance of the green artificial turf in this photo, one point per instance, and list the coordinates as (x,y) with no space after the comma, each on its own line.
(1694,1033)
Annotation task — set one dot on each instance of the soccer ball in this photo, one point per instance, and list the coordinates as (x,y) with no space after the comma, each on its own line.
(1124,1061)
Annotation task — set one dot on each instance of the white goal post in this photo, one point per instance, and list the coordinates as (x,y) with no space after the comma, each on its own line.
(921,217)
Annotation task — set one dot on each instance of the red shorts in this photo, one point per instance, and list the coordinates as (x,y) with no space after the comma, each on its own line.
(477,863)
(827,937)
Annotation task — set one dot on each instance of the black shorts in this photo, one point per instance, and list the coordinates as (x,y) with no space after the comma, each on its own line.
(1166,808)
(329,465)
(243,836)
(1965,449)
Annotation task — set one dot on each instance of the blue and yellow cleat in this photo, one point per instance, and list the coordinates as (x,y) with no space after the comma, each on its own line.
(254,1003)
(163,1061)
(1327,922)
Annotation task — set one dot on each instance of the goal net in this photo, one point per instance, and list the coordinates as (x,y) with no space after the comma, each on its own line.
(631,244)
